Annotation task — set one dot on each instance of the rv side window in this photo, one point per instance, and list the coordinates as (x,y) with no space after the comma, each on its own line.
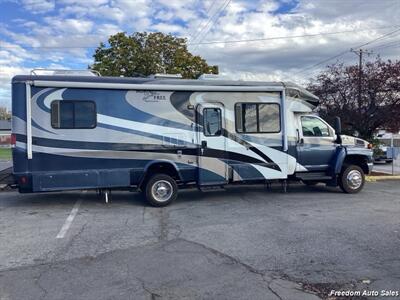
(257,118)
(69,114)
(313,126)
(212,122)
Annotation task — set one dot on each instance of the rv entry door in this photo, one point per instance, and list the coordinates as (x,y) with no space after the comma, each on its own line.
(212,144)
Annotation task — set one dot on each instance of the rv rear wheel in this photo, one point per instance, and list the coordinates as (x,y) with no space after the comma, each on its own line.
(352,179)
(161,190)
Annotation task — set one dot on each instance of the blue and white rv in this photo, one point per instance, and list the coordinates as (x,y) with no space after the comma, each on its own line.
(159,134)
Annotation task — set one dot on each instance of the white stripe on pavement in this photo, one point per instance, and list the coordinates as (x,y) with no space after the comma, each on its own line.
(69,220)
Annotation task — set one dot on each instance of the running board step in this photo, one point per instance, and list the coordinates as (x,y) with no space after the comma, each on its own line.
(313,176)
(206,188)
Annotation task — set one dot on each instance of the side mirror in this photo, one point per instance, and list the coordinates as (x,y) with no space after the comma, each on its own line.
(338,126)
(338,130)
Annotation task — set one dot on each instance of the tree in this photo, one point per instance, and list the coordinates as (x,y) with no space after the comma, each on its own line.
(379,104)
(4,113)
(145,53)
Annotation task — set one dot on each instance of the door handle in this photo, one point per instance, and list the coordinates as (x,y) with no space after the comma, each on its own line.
(299,139)
(203,144)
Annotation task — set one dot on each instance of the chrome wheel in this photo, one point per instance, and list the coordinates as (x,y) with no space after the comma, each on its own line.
(162,190)
(354,179)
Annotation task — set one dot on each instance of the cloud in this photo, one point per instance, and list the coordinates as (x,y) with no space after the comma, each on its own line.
(107,29)
(65,33)
(87,3)
(73,26)
(38,6)
(6,73)
(168,28)
(288,56)
(116,10)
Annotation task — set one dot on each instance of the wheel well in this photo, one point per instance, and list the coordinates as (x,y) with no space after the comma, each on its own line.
(358,160)
(160,168)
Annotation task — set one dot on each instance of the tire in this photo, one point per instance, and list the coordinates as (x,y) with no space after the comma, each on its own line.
(161,190)
(352,179)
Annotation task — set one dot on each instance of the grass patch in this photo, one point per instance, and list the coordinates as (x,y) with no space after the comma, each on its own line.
(5,153)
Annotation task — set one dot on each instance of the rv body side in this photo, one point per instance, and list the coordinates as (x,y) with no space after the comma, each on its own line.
(102,135)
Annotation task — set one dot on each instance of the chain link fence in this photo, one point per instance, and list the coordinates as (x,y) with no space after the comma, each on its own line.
(391,165)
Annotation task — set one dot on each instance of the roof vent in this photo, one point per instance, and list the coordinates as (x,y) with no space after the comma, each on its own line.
(65,72)
(166,76)
(214,77)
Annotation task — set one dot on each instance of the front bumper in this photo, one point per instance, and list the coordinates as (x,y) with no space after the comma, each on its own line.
(370,167)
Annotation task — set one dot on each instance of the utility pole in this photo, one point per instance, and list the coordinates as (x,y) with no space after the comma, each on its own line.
(360,53)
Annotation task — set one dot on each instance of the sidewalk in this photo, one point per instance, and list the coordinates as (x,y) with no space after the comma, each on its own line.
(387,167)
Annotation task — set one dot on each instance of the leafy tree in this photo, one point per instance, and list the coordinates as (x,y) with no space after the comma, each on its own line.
(145,53)
(379,104)
(4,114)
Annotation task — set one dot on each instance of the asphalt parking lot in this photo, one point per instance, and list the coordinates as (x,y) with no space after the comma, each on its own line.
(241,243)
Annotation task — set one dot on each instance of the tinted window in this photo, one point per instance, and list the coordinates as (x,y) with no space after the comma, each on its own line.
(313,126)
(212,122)
(85,114)
(257,118)
(66,114)
(249,115)
(269,118)
(73,114)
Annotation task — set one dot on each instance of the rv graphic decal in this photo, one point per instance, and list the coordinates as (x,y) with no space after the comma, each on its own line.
(102,132)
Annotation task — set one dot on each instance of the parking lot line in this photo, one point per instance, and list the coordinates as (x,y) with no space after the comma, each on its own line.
(69,219)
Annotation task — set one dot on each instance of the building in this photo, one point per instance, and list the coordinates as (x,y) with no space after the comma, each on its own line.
(386,137)
(5,133)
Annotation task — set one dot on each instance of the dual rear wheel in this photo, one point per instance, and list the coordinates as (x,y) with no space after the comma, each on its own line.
(160,190)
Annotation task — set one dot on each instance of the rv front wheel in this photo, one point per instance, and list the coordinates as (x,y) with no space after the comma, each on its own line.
(352,179)
(161,190)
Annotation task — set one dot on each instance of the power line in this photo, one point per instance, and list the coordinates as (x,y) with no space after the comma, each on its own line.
(394,45)
(321,62)
(385,45)
(225,42)
(193,32)
(289,37)
(219,10)
(378,38)
(387,39)
(215,21)
(346,51)
(208,22)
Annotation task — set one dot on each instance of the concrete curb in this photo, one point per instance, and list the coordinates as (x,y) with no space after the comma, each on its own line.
(383,177)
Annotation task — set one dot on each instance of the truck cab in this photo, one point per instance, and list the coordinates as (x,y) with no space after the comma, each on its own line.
(325,155)
(316,145)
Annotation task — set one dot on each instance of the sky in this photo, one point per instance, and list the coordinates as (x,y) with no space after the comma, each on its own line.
(65,33)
